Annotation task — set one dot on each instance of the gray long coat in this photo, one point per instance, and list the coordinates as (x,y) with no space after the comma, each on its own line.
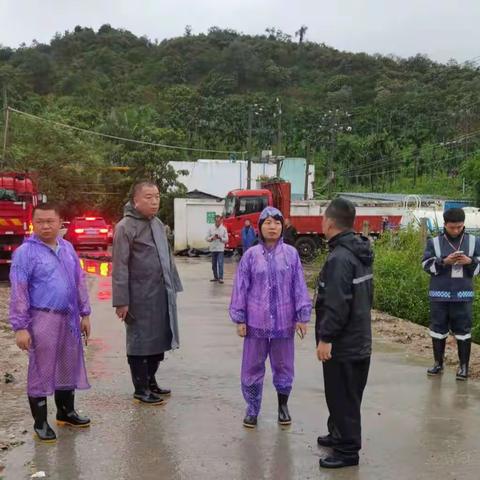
(145,278)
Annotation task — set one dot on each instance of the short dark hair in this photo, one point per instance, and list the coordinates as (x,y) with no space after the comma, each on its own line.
(44,207)
(454,215)
(137,187)
(342,212)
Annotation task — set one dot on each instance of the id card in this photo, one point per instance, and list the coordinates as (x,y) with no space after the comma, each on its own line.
(457,271)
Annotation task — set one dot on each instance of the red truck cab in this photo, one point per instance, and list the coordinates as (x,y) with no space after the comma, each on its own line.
(241,205)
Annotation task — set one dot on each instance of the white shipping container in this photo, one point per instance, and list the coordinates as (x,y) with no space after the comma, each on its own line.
(193,217)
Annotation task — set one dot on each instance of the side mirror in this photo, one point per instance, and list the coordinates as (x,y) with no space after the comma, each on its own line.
(42,198)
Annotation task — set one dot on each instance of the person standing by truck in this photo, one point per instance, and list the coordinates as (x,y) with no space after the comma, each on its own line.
(248,236)
(290,233)
(452,260)
(217,237)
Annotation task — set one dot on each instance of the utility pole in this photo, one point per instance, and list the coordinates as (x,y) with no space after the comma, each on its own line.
(465,129)
(279,137)
(333,133)
(249,148)
(6,120)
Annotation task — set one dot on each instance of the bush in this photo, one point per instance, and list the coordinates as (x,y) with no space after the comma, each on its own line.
(401,285)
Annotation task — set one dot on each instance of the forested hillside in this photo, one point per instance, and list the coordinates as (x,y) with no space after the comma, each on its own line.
(376,122)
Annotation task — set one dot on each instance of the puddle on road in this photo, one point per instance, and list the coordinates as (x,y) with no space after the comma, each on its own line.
(97,266)
(100,267)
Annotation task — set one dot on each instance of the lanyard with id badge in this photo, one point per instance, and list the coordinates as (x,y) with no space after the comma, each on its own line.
(457,270)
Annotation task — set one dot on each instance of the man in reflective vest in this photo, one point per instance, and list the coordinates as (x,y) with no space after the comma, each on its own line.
(452,260)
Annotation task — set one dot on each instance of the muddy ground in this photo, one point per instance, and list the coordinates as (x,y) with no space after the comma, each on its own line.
(15,420)
(13,363)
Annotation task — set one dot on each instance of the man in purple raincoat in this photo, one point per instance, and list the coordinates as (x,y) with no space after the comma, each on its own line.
(49,310)
(269,302)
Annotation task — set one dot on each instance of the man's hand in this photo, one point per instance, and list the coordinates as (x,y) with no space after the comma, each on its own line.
(23,339)
(122,312)
(301,329)
(324,351)
(463,260)
(451,259)
(85,327)
(241,330)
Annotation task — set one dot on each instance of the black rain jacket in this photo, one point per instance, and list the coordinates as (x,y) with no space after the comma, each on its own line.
(344,297)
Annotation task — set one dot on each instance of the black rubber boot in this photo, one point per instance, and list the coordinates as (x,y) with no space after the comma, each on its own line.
(464,347)
(326,441)
(43,431)
(66,414)
(250,421)
(283,413)
(338,462)
(139,370)
(153,364)
(438,354)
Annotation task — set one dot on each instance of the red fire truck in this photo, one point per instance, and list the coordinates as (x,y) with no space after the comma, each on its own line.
(18,198)
(241,205)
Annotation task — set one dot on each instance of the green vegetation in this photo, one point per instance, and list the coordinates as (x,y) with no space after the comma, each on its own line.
(380,123)
(401,285)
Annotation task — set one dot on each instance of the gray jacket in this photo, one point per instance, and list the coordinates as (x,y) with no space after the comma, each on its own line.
(145,278)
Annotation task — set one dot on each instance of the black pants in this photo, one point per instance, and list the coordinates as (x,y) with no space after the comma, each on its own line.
(454,316)
(145,367)
(153,358)
(345,382)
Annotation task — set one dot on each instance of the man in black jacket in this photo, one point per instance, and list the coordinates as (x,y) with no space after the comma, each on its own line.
(343,331)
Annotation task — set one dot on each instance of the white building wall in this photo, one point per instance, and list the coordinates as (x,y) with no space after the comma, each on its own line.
(218,177)
(190,221)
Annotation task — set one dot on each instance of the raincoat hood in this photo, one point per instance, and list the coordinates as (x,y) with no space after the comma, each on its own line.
(359,245)
(270,212)
(130,211)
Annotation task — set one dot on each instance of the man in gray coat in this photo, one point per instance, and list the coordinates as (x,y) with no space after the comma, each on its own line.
(145,284)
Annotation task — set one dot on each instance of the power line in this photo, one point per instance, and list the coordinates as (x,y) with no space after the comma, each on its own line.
(431,148)
(404,168)
(114,137)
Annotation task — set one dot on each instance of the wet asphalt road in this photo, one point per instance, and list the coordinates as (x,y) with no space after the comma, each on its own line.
(415,428)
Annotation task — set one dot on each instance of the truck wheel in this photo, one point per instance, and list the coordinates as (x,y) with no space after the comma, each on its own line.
(306,247)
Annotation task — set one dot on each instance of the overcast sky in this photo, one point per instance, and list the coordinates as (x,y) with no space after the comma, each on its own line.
(442,29)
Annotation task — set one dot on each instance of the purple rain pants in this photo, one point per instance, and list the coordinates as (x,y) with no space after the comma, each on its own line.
(255,352)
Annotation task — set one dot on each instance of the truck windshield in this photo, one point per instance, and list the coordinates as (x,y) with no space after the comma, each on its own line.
(8,195)
(229,206)
(248,205)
